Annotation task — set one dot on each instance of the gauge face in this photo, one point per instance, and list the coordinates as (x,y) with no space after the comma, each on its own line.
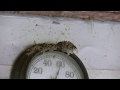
(53,65)
(49,65)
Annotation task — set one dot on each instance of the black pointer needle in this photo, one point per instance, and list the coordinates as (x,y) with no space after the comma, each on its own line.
(57,73)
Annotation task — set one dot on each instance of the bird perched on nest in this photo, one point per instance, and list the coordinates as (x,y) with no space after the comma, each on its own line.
(64,46)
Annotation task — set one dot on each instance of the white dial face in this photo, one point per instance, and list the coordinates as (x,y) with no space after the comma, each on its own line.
(53,65)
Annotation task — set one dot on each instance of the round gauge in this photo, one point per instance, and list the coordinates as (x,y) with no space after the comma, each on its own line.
(48,65)
(53,65)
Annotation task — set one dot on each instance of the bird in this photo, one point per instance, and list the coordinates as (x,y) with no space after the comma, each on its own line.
(64,46)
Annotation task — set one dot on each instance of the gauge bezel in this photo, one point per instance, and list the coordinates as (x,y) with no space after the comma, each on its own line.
(20,66)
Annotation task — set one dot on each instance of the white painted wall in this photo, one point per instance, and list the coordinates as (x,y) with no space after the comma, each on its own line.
(98,42)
